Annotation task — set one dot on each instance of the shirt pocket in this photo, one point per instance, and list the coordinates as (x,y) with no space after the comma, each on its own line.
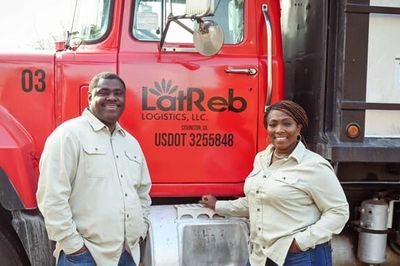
(254,172)
(290,180)
(248,184)
(284,188)
(134,167)
(97,163)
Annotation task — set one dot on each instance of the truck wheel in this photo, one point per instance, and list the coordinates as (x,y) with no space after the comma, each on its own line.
(10,250)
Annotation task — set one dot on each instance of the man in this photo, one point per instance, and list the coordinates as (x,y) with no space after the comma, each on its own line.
(94,183)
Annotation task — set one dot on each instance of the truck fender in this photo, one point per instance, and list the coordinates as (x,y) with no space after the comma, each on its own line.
(18,164)
(9,198)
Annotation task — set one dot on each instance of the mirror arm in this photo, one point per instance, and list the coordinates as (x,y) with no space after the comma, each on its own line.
(184,26)
(164,34)
(174,19)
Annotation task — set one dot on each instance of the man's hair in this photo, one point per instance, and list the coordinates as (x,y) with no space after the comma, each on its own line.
(290,108)
(104,75)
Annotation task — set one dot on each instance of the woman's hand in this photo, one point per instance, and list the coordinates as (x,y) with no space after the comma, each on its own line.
(208,201)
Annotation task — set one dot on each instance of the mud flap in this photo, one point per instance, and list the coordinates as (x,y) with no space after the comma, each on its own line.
(30,228)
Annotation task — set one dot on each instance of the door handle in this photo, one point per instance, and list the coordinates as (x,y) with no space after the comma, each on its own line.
(249,71)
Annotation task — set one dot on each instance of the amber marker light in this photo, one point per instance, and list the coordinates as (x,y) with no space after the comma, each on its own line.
(353,130)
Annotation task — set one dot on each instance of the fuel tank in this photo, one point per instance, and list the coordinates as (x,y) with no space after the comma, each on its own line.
(191,235)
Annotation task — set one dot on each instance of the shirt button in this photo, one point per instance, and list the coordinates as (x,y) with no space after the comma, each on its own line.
(127,216)
(116,156)
(264,176)
(258,209)
(126,195)
(263,247)
(284,178)
(257,191)
(259,228)
(122,176)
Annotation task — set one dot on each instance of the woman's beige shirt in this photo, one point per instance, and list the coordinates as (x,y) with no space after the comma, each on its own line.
(299,197)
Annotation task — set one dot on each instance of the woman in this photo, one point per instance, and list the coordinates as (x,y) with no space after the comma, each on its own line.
(292,196)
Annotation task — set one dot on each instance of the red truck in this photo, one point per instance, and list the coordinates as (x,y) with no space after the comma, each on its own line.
(199,75)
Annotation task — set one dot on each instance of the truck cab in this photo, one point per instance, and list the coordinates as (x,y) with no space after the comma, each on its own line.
(198,76)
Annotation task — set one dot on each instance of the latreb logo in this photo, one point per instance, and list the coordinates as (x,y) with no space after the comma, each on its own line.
(169,98)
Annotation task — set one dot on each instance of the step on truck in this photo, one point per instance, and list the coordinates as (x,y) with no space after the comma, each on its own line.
(199,75)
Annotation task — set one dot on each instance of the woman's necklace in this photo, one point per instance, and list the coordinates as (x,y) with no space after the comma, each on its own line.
(280,156)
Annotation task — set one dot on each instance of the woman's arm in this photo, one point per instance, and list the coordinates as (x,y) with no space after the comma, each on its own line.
(238,207)
(329,197)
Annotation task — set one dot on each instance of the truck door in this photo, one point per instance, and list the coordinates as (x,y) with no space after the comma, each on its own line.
(91,48)
(195,116)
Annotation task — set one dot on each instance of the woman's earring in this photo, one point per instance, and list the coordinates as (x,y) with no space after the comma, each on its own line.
(298,137)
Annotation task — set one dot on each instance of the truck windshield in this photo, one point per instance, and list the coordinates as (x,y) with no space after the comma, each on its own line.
(150,17)
(91,19)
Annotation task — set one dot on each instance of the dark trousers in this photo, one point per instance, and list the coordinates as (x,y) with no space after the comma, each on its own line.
(321,255)
(86,259)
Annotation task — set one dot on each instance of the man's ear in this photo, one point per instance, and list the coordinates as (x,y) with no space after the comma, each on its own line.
(89,96)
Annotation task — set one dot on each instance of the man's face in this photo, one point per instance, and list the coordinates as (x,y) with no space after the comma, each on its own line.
(107,101)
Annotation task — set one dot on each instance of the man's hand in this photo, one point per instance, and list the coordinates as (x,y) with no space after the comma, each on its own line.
(294,248)
(208,201)
(80,251)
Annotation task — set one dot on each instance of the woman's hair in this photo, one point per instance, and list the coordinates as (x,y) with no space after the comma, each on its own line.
(290,108)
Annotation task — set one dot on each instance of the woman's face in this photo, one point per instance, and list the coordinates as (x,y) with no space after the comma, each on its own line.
(282,131)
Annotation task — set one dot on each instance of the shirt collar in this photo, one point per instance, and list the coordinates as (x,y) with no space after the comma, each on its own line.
(97,125)
(296,154)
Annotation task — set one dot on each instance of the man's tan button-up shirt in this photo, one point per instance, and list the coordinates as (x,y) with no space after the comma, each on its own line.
(94,189)
(295,198)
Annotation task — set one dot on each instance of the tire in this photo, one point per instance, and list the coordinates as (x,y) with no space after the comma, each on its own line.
(11,253)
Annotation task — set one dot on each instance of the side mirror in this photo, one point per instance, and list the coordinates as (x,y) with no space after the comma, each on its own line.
(73,42)
(199,8)
(208,38)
